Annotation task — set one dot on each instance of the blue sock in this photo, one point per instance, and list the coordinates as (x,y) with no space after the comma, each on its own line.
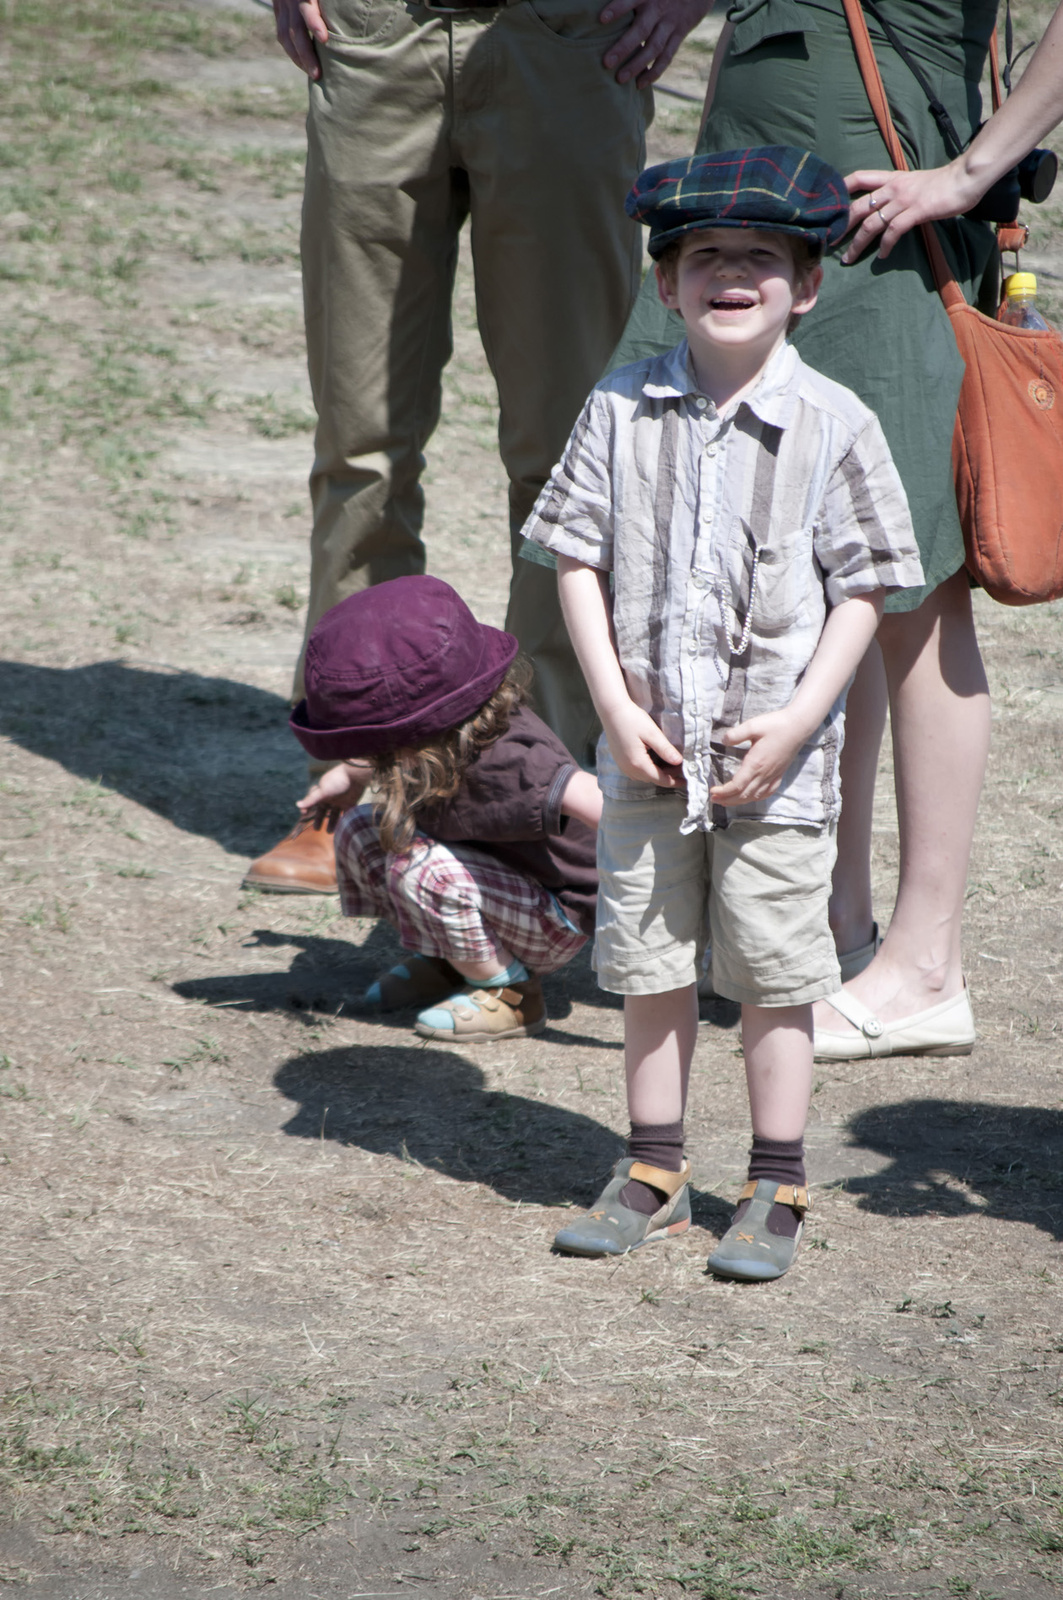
(515,973)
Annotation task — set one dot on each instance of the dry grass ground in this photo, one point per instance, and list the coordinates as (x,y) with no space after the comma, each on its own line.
(279,1304)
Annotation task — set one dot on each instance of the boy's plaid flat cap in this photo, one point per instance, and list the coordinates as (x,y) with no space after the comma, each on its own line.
(770,186)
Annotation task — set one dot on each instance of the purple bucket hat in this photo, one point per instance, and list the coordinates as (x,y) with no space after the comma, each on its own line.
(396,665)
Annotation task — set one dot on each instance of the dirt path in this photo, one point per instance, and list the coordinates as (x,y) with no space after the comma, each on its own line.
(280,1307)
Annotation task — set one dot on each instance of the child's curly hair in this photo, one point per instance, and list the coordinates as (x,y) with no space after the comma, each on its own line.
(409,780)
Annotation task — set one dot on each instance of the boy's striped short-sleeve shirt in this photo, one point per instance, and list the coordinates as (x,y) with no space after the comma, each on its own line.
(728,539)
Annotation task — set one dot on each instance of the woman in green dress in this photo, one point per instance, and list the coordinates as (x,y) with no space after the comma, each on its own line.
(786,73)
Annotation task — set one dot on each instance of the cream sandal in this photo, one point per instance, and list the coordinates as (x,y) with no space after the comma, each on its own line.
(946,1029)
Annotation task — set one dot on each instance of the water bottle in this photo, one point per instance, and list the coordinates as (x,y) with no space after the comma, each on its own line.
(1019,309)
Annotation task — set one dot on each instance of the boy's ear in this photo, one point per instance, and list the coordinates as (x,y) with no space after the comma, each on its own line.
(666,288)
(806,291)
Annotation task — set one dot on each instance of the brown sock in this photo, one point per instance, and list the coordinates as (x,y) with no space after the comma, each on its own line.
(658,1144)
(783,1160)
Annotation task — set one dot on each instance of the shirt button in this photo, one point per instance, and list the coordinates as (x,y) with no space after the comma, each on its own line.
(693,649)
(701,402)
(710,449)
(699,580)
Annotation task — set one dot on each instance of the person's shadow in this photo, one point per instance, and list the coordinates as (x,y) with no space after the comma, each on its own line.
(217,758)
(943,1153)
(431,1106)
(213,756)
(325,975)
(329,975)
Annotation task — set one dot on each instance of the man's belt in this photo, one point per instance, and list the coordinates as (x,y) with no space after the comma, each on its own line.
(449,11)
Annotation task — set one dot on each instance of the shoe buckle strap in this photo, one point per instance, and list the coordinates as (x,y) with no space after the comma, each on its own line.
(658,1178)
(787,1194)
(855,1012)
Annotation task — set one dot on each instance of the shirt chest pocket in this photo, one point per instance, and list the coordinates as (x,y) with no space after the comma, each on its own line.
(768,584)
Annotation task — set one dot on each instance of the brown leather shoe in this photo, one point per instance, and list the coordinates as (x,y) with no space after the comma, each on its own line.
(303,863)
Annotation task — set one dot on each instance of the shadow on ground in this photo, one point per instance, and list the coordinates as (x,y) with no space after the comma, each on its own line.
(431,1106)
(944,1151)
(328,975)
(325,975)
(213,756)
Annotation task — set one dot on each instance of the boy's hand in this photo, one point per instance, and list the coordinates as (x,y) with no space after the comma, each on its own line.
(635,741)
(773,741)
(336,790)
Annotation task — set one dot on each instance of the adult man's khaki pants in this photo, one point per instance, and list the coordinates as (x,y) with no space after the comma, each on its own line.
(420,119)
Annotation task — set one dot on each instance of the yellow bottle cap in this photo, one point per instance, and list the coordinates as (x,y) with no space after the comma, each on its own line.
(1020,283)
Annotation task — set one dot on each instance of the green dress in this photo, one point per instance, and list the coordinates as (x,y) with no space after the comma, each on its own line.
(790,77)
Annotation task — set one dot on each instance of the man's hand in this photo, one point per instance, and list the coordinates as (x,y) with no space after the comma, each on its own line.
(336,790)
(773,741)
(299,23)
(633,735)
(658,28)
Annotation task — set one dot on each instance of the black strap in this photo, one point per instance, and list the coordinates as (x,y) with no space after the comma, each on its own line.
(953,142)
(1009,42)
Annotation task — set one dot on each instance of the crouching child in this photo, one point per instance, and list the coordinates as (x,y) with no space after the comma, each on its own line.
(480,850)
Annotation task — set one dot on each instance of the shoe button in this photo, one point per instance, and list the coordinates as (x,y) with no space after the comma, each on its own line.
(872,1027)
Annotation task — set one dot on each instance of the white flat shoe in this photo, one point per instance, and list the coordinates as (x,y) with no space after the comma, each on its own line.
(942,1030)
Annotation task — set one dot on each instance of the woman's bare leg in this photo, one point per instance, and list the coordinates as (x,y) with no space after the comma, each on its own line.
(851,914)
(940,714)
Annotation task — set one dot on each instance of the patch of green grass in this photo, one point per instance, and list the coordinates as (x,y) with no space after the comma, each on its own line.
(207,1049)
(275,419)
(130,1342)
(11,1088)
(104,1467)
(282,170)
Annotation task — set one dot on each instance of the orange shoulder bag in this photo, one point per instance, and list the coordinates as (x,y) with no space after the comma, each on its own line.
(1007,448)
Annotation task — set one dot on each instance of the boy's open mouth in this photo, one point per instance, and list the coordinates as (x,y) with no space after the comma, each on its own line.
(733,302)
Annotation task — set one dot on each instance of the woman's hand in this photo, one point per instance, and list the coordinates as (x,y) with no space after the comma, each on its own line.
(892,202)
(888,204)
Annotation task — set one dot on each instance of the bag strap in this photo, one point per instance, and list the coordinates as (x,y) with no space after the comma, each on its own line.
(994,65)
(948,288)
(946,127)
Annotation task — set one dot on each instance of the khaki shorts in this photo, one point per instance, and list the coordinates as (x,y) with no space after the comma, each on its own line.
(763,886)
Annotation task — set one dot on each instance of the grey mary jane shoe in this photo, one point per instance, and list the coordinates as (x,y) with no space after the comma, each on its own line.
(612,1229)
(748,1250)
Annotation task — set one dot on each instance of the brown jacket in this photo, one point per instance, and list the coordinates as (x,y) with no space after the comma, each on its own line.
(509,806)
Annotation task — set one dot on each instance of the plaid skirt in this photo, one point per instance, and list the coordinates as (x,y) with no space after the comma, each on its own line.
(450,900)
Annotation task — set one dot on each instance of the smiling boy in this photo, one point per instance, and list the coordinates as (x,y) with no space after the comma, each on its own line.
(726,523)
